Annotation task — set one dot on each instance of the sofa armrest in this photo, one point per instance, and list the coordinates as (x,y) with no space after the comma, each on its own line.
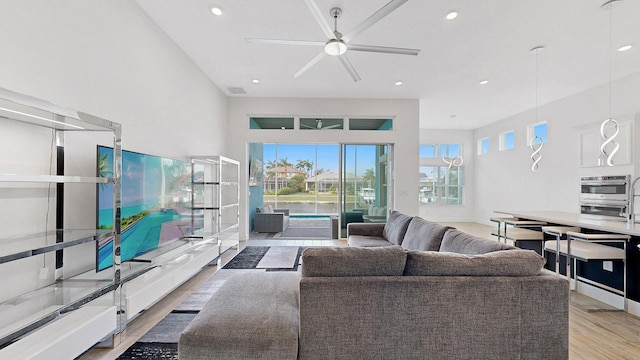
(282,211)
(365,229)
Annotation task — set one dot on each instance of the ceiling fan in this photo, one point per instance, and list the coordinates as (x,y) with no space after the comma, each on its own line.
(338,44)
(319,125)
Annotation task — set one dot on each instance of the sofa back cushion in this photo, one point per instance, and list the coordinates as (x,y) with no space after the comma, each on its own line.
(353,261)
(459,242)
(266,209)
(396,227)
(497,263)
(424,235)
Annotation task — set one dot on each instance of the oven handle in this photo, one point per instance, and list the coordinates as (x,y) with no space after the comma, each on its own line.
(620,206)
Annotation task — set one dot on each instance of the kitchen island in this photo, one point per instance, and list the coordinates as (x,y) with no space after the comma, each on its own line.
(594,270)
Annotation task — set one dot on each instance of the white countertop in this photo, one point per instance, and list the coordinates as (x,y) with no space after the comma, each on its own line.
(575,219)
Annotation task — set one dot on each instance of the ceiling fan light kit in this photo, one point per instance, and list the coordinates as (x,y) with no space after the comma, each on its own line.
(335,47)
(337,44)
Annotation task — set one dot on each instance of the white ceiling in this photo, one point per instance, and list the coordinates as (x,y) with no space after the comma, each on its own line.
(490,39)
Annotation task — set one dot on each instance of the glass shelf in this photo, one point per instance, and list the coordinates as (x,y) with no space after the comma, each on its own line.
(20,247)
(27,312)
(54,179)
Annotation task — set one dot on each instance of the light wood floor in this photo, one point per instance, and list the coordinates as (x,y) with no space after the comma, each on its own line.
(592,334)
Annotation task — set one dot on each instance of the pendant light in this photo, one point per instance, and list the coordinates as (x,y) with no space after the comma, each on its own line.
(609,146)
(535,142)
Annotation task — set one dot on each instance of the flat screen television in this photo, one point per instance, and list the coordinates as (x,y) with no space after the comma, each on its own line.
(155,207)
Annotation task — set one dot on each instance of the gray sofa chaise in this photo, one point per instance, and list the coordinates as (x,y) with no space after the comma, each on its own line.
(471,298)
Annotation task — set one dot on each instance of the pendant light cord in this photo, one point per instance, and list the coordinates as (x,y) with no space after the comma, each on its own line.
(537,51)
(610,50)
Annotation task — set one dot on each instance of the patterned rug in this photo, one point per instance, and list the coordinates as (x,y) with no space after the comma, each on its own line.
(161,342)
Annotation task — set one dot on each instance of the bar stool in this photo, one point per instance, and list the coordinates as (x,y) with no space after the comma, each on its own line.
(501,222)
(589,249)
(557,232)
(521,230)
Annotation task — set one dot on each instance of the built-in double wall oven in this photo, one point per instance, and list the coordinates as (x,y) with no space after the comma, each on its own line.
(604,196)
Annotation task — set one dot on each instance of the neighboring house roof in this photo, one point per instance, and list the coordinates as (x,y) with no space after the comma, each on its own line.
(285,169)
(331,177)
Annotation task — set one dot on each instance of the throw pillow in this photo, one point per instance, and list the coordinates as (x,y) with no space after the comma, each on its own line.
(424,235)
(497,263)
(353,261)
(396,227)
(462,243)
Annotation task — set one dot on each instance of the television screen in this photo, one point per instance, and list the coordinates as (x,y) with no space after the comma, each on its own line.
(155,208)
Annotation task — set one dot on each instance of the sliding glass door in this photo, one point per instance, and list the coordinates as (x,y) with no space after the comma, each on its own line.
(365,176)
(301,177)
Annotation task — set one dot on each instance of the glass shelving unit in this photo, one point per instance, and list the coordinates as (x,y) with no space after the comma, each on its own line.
(215,199)
(28,306)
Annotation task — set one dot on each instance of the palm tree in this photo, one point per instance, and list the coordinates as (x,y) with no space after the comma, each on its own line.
(284,162)
(369,177)
(305,166)
(104,167)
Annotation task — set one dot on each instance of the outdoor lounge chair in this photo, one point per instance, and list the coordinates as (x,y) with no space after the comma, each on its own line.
(268,219)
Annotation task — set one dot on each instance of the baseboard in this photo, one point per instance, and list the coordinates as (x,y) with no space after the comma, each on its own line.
(601,295)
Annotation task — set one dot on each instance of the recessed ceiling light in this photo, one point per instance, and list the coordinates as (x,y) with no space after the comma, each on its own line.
(625,48)
(256,81)
(484,82)
(216,10)
(398,83)
(451,15)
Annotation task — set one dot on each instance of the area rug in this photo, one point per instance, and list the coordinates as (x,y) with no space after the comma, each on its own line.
(251,256)
(161,342)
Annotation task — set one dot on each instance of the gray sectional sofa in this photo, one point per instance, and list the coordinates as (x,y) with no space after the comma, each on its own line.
(470,298)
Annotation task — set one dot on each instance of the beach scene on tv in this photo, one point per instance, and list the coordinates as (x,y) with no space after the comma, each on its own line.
(155,208)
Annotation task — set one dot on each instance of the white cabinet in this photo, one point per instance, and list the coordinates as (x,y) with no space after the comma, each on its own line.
(215,199)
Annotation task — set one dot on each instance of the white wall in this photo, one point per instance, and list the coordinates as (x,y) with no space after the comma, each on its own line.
(464,212)
(404,135)
(108,59)
(503,179)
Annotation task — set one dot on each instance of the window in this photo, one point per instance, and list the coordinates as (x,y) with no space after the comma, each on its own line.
(538,129)
(271,123)
(483,146)
(440,184)
(507,140)
(370,124)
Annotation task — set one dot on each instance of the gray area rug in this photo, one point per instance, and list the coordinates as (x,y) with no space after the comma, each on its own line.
(161,342)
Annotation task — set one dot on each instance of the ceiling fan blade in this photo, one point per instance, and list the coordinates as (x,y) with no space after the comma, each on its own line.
(383,49)
(310,64)
(284,42)
(317,14)
(377,16)
(347,65)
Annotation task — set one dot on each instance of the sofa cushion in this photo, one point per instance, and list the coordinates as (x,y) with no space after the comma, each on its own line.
(353,261)
(423,235)
(367,241)
(497,263)
(459,242)
(266,209)
(396,227)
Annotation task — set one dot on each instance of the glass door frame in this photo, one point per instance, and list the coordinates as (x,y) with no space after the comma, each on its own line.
(388,179)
